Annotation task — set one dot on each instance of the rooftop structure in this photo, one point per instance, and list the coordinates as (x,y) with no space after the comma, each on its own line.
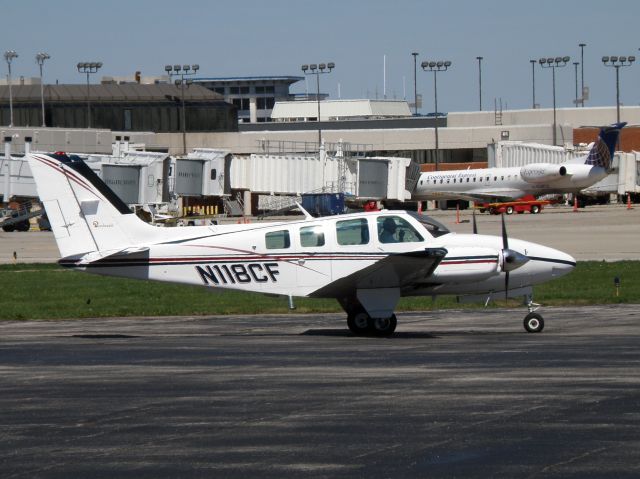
(253,96)
(121,107)
(288,111)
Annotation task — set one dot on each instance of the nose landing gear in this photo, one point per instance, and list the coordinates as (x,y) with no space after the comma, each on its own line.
(533,322)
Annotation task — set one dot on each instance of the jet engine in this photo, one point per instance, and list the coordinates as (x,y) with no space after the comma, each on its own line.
(542,172)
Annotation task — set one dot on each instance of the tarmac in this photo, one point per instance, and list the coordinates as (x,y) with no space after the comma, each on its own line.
(607,233)
(452,394)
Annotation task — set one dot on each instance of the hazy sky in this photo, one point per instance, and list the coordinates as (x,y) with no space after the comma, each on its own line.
(275,37)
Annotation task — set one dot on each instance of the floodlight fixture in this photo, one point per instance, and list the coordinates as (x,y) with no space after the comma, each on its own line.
(40,59)
(317,69)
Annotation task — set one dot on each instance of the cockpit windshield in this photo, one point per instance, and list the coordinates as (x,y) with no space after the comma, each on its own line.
(433,226)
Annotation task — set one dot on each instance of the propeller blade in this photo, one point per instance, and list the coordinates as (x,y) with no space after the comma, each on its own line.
(506,286)
(475,226)
(505,239)
(505,247)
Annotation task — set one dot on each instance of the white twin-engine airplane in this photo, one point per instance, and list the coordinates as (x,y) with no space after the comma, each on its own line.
(366,261)
(535,179)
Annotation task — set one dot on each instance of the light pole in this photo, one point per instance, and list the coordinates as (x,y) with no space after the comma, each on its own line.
(553,63)
(582,45)
(617,62)
(575,65)
(88,68)
(317,70)
(40,58)
(415,82)
(480,80)
(9,56)
(533,82)
(435,67)
(182,71)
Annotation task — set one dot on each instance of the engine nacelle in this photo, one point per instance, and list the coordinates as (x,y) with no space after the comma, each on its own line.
(542,172)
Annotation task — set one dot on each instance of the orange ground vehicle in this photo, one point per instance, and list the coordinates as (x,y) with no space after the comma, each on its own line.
(525,204)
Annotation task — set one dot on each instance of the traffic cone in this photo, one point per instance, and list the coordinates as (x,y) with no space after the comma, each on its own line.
(575,204)
(629,201)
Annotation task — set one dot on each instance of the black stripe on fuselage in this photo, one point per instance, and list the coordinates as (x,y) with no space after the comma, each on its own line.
(552,260)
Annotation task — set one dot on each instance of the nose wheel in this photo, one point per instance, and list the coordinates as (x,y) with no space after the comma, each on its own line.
(533,322)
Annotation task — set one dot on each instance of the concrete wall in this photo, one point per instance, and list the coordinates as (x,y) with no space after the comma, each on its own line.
(575,117)
(68,140)
(377,140)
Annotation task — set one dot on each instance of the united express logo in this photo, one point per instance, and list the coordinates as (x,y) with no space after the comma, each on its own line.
(238,273)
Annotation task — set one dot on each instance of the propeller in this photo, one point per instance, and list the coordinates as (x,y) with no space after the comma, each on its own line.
(511,259)
(505,256)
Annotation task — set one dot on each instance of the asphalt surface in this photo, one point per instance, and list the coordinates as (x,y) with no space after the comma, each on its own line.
(452,394)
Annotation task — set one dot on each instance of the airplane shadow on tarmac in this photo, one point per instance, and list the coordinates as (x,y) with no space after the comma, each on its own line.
(406,334)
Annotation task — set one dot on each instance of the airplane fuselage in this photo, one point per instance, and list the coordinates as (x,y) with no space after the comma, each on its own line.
(507,183)
(299,258)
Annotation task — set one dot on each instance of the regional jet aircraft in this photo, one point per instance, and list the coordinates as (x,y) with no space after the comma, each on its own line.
(537,179)
(366,261)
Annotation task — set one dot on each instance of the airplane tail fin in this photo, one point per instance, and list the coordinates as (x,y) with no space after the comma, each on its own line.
(602,151)
(86,216)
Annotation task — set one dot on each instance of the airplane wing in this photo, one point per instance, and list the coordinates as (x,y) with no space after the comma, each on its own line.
(404,271)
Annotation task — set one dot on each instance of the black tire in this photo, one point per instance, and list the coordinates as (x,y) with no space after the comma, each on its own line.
(359,323)
(9,228)
(383,326)
(535,209)
(509,210)
(23,226)
(533,323)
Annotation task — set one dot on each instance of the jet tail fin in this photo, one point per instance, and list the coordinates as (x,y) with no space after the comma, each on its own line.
(86,216)
(602,151)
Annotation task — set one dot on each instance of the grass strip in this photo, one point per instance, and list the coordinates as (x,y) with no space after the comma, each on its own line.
(47,291)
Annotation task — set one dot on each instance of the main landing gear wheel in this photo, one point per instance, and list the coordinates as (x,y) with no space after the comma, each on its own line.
(358,323)
(533,323)
(361,324)
(384,326)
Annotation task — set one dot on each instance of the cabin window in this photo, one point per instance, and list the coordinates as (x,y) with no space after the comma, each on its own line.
(467,180)
(435,181)
(311,236)
(440,180)
(393,229)
(352,232)
(277,239)
(213,173)
(474,179)
(502,178)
